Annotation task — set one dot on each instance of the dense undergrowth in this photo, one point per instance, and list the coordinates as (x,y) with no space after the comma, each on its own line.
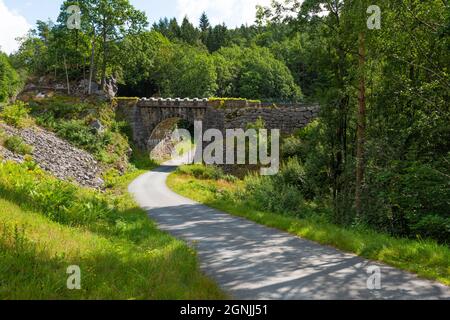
(71,118)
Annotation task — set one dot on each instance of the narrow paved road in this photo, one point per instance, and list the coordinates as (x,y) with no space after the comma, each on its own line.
(250,261)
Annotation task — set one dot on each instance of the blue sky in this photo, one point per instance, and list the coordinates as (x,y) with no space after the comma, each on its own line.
(17,16)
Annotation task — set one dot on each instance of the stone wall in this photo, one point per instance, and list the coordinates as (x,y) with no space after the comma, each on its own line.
(144,115)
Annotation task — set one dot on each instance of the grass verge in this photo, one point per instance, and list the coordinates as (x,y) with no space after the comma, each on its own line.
(47,225)
(424,257)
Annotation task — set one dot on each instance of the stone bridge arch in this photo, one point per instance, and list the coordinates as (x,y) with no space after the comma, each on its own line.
(145,115)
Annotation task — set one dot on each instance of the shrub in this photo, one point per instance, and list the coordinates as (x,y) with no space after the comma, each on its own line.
(29,163)
(17,115)
(433,226)
(206,172)
(409,199)
(266,194)
(17,145)
(10,81)
(201,172)
(293,174)
(77,132)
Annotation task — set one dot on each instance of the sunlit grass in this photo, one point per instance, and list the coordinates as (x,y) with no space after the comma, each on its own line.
(121,256)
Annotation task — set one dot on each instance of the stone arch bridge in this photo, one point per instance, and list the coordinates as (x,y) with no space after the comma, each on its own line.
(150,119)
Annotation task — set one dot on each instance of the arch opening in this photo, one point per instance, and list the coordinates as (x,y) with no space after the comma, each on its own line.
(161,143)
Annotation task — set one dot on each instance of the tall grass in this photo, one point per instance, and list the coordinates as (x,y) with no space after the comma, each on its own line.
(47,225)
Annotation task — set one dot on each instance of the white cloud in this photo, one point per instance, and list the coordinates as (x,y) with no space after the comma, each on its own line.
(12,25)
(232,12)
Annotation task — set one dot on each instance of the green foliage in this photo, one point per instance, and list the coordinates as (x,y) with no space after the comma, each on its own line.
(143,57)
(254,73)
(205,172)
(58,200)
(16,115)
(268,194)
(409,199)
(424,257)
(224,101)
(189,72)
(407,94)
(201,171)
(17,145)
(77,132)
(2,136)
(61,107)
(71,120)
(10,81)
(407,137)
(47,224)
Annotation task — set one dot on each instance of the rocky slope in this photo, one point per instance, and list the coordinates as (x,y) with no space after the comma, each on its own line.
(56,156)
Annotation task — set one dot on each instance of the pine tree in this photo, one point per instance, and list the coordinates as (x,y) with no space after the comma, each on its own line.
(189,33)
(204,22)
(205,28)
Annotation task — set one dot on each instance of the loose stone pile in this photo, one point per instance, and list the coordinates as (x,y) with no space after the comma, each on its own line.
(56,156)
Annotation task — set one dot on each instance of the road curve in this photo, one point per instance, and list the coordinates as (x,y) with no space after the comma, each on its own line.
(250,261)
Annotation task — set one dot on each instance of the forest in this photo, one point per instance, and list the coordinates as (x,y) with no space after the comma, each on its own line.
(378,156)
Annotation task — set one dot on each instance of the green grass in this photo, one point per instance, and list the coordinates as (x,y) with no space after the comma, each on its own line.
(423,257)
(17,115)
(17,145)
(121,253)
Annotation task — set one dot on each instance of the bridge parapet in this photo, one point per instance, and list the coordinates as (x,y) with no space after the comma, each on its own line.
(172,103)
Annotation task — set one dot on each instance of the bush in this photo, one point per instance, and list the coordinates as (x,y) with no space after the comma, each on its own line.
(78,133)
(17,115)
(434,227)
(205,172)
(201,172)
(17,145)
(265,193)
(409,199)
(60,107)
(10,82)
(293,174)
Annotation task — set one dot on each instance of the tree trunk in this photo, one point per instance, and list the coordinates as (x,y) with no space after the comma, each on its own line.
(91,67)
(67,75)
(104,37)
(361,132)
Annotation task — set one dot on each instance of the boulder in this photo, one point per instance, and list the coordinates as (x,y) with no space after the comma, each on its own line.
(97,126)
(111,88)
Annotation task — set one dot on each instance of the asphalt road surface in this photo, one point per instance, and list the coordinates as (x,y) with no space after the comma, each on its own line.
(250,261)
